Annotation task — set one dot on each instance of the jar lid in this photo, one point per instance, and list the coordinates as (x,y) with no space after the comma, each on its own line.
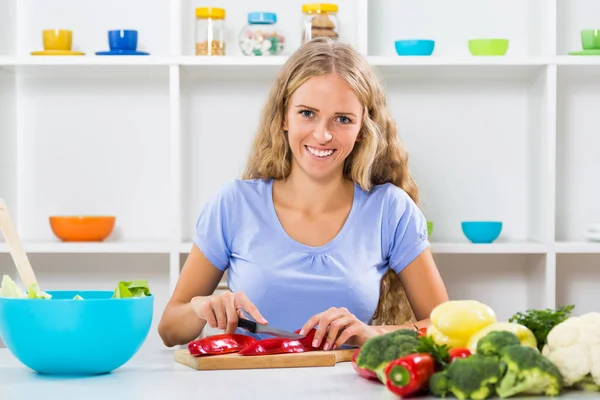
(319,7)
(262,18)
(210,12)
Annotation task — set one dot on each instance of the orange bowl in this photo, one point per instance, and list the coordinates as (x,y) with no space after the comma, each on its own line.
(82,228)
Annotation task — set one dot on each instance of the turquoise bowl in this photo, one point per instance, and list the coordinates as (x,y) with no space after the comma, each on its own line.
(481,231)
(414,47)
(62,336)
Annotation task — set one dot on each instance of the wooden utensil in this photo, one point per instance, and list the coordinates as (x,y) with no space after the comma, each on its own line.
(289,360)
(15,247)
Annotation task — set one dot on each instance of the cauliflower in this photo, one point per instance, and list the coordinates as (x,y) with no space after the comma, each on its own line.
(574,347)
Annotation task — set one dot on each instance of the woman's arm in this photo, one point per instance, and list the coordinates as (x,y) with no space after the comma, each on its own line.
(424,288)
(199,278)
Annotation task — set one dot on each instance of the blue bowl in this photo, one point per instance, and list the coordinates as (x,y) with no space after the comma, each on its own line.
(481,231)
(414,47)
(62,336)
(123,39)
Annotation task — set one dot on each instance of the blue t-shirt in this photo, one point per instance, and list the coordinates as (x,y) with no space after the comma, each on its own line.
(238,230)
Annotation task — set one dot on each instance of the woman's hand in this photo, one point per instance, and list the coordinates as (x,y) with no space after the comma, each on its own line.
(223,311)
(336,327)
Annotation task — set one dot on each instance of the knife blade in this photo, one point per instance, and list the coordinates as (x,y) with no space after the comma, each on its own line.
(253,327)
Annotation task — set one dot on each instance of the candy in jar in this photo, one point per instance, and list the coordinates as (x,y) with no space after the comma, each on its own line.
(261,36)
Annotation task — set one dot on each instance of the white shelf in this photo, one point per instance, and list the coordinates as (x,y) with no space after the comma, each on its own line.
(578,248)
(493,248)
(277,61)
(184,248)
(510,138)
(93,248)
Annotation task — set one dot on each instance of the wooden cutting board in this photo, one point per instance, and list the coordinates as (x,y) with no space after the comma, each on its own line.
(291,360)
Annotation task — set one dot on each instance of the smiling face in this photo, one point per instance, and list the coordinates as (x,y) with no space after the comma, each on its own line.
(323,120)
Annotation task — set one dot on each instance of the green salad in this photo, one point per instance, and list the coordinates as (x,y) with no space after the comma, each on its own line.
(124,289)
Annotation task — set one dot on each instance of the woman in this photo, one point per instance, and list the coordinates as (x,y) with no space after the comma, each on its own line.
(324,229)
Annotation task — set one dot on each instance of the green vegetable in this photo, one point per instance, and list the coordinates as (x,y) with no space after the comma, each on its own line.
(9,288)
(127,289)
(528,372)
(124,289)
(474,377)
(439,384)
(35,292)
(378,351)
(541,322)
(492,343)
(587,384)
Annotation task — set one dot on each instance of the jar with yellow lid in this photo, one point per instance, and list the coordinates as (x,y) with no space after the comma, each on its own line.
(320,20)
(210,31)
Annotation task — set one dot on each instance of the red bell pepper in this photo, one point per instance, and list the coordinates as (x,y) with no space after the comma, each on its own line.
(278,345)
(459,353)
(410,375)
(363,372)
(273,346)
(422,331)
(220,344)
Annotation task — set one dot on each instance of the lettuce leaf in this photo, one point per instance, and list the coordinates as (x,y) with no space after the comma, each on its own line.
(9,288)
(127,289)
(36,293)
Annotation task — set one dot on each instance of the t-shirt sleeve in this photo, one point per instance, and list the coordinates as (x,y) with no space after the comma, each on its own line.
(213,228)
(408,231)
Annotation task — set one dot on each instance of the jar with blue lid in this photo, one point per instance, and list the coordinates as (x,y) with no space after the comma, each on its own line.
(261,36)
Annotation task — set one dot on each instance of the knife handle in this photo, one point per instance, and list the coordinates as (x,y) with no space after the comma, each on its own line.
(247,324)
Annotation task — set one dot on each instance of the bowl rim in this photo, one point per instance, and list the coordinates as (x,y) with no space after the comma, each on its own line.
(82,292)
(482,222)
(82,216)
(415,40)
(492,39)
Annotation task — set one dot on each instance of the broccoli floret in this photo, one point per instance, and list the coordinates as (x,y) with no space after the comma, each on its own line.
(403,332)
(378,351)
(493,342)
(528,372)
(439,383)
(587,384)
(474,377)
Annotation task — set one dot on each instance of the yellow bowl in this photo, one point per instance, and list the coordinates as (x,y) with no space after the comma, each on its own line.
(93,228)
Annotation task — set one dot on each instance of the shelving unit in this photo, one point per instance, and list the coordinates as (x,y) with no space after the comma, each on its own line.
(149,139)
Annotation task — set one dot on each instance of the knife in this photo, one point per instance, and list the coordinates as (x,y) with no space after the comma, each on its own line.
(266,329)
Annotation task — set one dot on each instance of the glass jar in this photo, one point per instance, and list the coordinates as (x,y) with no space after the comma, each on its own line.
(261,36)
(319,20)
(210,31)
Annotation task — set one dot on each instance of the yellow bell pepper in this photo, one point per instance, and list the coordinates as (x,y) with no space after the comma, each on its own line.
(454,322)
(525,335)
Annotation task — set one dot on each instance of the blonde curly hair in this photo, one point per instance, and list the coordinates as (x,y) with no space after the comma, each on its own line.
(377,158)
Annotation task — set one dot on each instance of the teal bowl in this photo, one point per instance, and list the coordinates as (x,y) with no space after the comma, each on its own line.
(62,336)
(481,231)
(414,47)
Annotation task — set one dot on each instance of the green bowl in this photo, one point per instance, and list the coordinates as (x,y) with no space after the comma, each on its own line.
(429,228)
(488,47)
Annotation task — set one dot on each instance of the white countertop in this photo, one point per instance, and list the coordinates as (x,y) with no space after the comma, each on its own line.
(156,376)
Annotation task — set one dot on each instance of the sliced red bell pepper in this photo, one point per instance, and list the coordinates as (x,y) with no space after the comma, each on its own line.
(422,331)
(273,346)
(220,344)
(410,375)
(278,345)
(363,372)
